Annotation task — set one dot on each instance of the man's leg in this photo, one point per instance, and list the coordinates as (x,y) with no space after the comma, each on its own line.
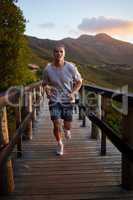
(57,129)
(67,128)
(58,136)
(55,112)
(67,116)
(67,125)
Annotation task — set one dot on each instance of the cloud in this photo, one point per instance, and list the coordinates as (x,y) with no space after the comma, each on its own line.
(48,25)
(73,32)
(108,25)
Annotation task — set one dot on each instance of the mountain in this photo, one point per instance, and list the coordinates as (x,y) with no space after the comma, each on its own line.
(86,49)
(101,59)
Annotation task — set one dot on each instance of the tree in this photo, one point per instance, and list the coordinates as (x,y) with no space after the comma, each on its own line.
(13,46)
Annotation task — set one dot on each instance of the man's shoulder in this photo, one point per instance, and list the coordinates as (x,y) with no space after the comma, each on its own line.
(70,64)
(47,67)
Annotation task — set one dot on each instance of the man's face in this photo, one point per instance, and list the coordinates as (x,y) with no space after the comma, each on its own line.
(59,53)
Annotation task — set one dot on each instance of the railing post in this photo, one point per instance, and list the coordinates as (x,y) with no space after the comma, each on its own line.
(83,116)
(6,170)
(82,109)
(18,122)
(43,92)
(81,102)
(93,106)
(40,94)
(29,110)
(34,104)
(80,117)
(103,117)
(127,134)
(38,98)
(95,131)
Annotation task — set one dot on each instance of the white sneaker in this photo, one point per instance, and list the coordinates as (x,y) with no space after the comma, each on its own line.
(60,149)
(67,134)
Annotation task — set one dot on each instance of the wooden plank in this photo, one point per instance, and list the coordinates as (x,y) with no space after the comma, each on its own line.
(81,173)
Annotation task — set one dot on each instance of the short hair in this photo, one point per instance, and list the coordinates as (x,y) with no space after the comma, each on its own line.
(58,46)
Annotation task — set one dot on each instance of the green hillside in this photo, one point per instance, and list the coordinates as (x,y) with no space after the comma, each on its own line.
(108,77)
(101,59)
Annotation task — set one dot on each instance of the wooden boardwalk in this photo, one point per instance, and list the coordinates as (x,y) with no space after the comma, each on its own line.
(81,173)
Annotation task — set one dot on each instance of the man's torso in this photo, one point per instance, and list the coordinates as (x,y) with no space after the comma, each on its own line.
(61,80)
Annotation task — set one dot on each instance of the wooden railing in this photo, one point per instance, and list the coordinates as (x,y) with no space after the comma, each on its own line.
(26,102)
(94,105)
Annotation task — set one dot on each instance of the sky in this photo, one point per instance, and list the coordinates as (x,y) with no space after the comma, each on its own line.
(58,19)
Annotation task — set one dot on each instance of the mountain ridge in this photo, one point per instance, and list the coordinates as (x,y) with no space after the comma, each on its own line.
(86,49)
(101,59)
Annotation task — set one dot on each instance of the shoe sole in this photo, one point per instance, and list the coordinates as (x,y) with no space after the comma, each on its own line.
(68,137)
(59,154)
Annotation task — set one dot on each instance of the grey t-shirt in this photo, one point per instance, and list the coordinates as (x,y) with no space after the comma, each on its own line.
(61,80)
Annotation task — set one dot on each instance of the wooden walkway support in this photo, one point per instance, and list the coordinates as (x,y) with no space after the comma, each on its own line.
(123,139)
(81,173)
(21,103)
(6,171)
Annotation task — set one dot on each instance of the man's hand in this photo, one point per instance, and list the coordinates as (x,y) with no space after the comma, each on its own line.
(49,91)
(71,97)
(76,88)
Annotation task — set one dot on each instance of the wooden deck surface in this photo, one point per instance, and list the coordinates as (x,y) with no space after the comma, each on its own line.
(81,173)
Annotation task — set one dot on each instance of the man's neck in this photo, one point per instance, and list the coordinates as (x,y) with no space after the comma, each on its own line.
(58,63)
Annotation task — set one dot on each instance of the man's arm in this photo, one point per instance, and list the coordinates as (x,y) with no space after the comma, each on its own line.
(77,80)
(76,88)
(45,82)
(47,89)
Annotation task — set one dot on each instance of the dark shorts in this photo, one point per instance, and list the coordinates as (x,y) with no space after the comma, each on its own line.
(76,101)
(61,111)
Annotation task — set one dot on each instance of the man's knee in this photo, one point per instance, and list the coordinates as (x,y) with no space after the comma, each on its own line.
(57,125)
(67,125)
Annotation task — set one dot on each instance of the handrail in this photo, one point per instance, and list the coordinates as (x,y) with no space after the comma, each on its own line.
(13,141)
(11,95)
(121,145)
(33,85)
(116,95)
(26,102)
(97,112)
(3,98)
(7,150)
